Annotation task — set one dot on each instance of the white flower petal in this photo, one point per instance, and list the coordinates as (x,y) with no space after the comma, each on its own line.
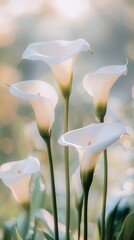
(16,175)
(53,52)
(99,83)
(12,171)
(90,141)
(114,69)
(34,89)
(43,98)
(93,137)
(59,55)
(63,73)
(20,189)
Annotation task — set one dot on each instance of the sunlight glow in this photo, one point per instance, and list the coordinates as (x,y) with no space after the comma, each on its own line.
(23,7)
(72,9)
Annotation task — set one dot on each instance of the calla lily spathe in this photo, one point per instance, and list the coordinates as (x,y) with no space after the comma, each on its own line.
(16,175)
(99,83)
(43,98)
(90,142)
(59,55)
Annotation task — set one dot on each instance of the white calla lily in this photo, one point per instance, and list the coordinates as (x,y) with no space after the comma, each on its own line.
(90,142)
(16,175)
(77,188)
(43,98)
(99,83)
(59,55)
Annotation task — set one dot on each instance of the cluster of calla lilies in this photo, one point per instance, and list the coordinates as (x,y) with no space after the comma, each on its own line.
(89,141)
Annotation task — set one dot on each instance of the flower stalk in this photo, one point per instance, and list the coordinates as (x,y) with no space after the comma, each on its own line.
(86,181)
(78,197)
(105,186)
(79,213)
(85,215)
(48,144)
(104,195)
(67,174)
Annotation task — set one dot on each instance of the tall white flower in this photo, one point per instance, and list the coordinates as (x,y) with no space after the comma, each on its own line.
(59,55)
(16,175)
(99,83)
(90,142)
(43,98)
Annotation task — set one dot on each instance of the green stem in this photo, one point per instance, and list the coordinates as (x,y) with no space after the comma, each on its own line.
(79,212)
(104,191)
(47,140)
(85,215)
(66,113)
(66,156)
(104,195)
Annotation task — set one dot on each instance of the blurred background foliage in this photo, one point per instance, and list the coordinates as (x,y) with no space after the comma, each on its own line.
(109,28)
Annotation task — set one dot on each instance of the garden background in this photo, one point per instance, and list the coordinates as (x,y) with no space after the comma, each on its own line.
(108,26)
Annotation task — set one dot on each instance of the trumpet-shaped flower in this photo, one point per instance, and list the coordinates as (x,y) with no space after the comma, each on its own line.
(43,98)
(59,55)
(16,175)
(99,83)
(77,188)
(90,141)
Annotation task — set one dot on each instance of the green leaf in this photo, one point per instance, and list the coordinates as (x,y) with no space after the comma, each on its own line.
(111,209)
(17,234)
(23,224)
(127,232)
(116,211)
(115,217)
(110,218)
(38,236)
(47,236)
(8,229)
(37,189)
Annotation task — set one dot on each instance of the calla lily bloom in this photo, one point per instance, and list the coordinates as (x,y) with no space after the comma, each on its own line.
(16,175)
(43,98)
(77,188)
(90,142)
(99,83)
(59,55)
